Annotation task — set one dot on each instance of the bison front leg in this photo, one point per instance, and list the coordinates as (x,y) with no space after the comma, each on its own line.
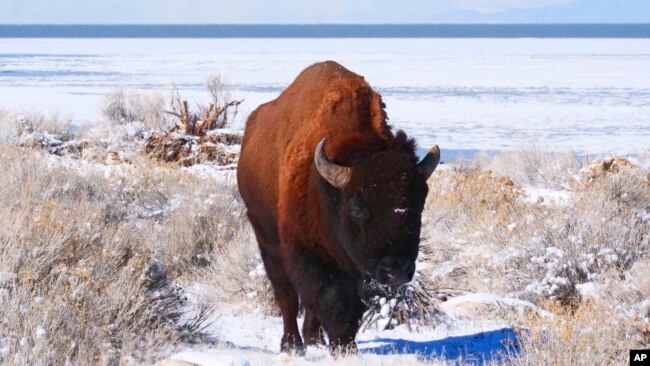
(331,296)
(340,310)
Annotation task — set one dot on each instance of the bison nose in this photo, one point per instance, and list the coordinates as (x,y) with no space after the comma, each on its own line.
(395,271)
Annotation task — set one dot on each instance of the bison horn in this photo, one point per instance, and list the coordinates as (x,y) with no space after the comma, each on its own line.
(430,162)
(336,175)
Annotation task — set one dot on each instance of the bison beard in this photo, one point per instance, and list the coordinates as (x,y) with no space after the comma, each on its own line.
(335,200)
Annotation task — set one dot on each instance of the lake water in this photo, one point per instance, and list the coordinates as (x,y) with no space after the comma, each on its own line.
(591,96)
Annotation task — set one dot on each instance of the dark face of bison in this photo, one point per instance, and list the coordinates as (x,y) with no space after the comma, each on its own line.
(375,205)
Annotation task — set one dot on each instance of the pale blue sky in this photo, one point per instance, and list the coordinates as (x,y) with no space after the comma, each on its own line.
(322,11)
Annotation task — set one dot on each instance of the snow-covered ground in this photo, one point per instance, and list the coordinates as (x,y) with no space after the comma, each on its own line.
(586,95)
(466,332)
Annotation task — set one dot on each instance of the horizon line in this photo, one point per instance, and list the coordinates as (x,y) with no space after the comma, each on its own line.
(311,24)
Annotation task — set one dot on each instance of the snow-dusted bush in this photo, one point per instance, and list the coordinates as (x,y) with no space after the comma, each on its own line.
(601,234)
(120,107)
(92,257)
(534,166)
(222,100)
(17,127)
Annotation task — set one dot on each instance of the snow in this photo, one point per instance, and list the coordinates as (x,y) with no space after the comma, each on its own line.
(644,214)
(589,290)
(385,310)
(6,277)
(547,196)
(259,271)
(40,331)
(644,309)
(207,359)
(252,338)
(249,339)
(483,298)
(468,95)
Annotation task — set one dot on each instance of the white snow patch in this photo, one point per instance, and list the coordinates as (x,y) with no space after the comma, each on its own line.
(40,331)
(210,359)
(547,196)
(385,310)
(644,214)
(252,339)
(483,297)
(589,290)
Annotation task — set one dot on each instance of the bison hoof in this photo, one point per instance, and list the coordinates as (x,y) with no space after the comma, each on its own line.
(292,345)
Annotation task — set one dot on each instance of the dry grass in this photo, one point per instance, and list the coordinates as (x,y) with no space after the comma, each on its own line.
(591,334)
(483,234)
(120,108)
(534,166)
(91,256)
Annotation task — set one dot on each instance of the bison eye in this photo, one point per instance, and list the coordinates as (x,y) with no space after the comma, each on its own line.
(358,211)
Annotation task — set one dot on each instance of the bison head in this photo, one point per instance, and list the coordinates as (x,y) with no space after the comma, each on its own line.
(374,208)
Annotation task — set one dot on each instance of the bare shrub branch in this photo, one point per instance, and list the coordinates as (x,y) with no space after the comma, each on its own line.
(216,115)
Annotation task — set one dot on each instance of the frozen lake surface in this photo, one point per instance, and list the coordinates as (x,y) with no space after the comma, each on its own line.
(590,96)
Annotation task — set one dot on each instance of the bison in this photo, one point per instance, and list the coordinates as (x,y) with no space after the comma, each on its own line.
(335,199)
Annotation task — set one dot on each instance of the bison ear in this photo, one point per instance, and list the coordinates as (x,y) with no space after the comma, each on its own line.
(336,175)
(430,162)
